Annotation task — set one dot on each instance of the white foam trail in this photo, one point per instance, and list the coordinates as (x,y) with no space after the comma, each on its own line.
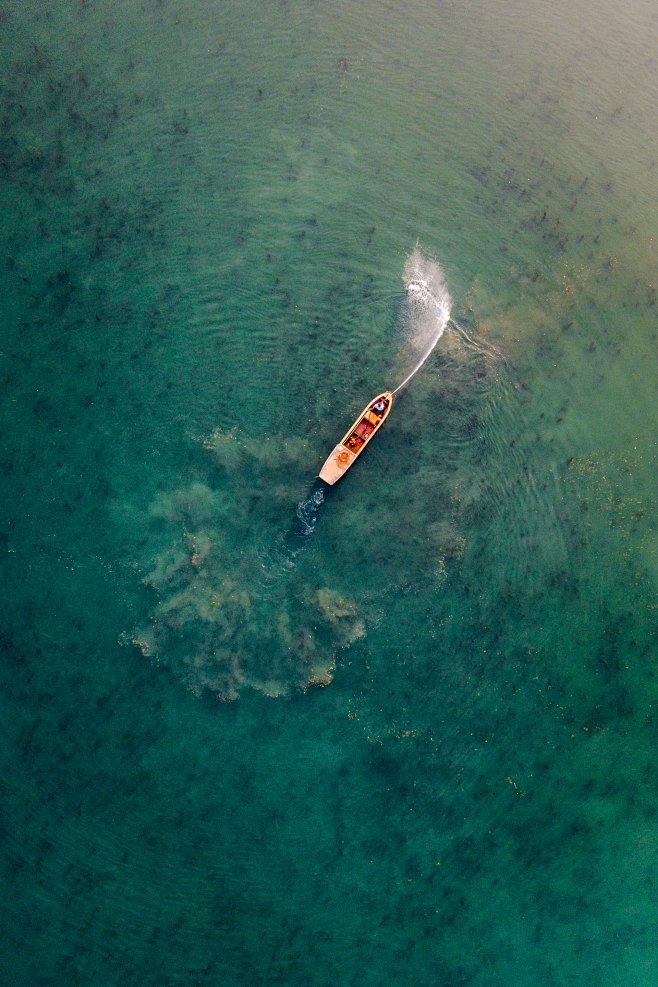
(307,512)
(429,302)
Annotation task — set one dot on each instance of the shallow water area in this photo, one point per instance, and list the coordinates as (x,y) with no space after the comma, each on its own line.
(400,730)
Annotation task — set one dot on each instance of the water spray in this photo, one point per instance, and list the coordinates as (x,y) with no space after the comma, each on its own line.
(429,310)
(429,299)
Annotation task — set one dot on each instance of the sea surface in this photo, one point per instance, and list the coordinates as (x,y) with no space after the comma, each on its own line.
(401,731)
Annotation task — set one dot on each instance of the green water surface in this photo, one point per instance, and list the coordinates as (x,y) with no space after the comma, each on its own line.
(416,746)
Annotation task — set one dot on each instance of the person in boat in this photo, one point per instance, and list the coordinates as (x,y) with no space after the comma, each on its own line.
(353,440)
(379,406)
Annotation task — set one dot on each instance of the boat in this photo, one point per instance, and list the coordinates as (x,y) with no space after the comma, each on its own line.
(357,438)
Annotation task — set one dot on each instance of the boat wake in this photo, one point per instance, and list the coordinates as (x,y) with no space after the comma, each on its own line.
(302,525)
(306,515)
(429,305)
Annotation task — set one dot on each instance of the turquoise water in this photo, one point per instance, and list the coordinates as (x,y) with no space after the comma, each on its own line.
(416,744)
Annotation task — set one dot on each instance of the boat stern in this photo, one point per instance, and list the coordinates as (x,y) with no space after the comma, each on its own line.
(337,462)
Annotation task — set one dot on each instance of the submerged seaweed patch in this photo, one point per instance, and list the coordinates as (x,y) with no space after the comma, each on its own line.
(230,615)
